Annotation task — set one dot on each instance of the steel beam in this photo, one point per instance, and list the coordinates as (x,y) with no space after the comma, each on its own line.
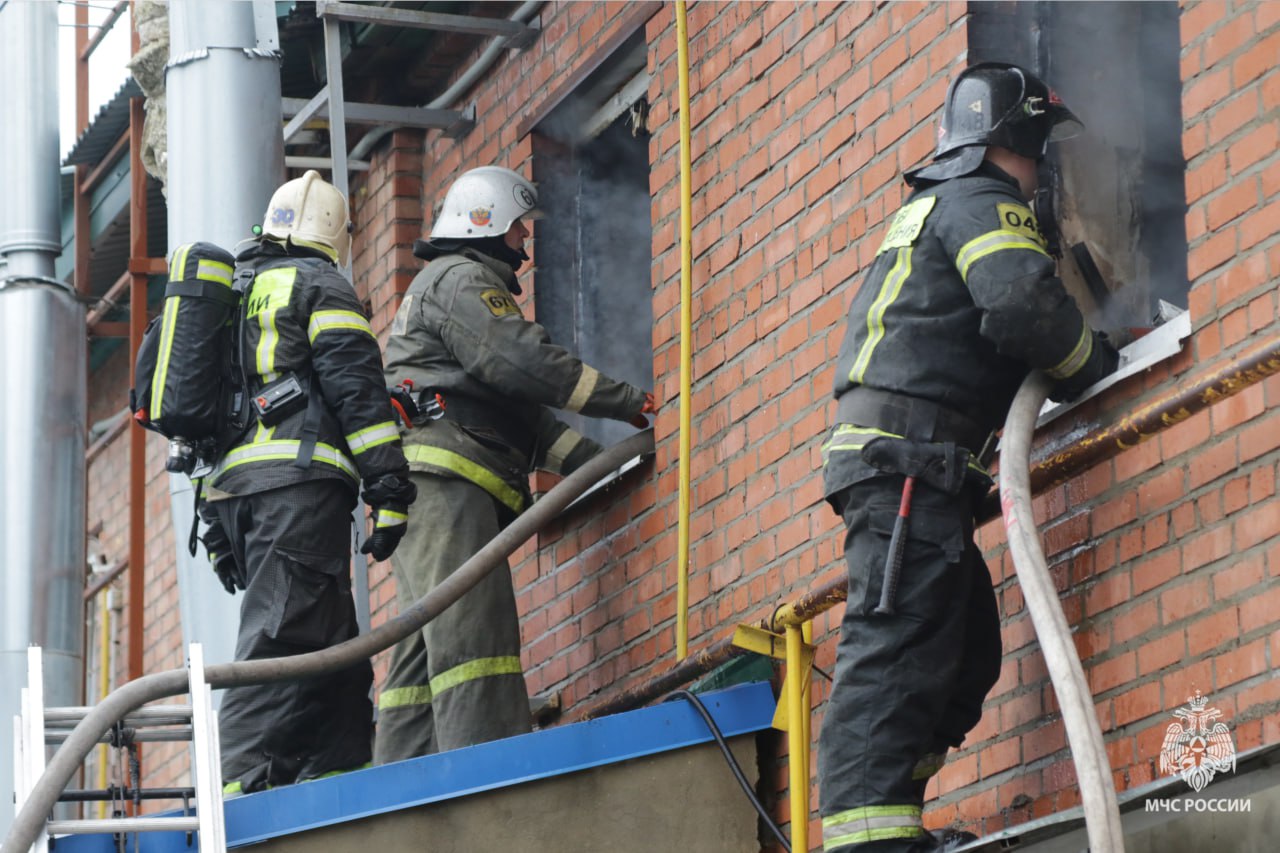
(518,35)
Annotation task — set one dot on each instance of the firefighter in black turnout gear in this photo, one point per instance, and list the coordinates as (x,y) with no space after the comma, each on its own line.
(959,305)
(279,501)
(459,333)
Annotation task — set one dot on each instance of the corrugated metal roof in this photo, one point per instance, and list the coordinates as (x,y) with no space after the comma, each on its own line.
(105,128)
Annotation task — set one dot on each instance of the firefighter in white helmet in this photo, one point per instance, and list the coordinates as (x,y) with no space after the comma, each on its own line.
(460,333)
(280,499)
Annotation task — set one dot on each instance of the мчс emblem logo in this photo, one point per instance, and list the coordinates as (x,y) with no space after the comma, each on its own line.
(1197,748)
(480,216)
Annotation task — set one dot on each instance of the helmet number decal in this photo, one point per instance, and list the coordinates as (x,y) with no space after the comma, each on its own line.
(1019,219)
(282,216)
(499,302)
(907,224)
(524,196)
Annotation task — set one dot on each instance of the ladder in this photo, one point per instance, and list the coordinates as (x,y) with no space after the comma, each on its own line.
(37,726)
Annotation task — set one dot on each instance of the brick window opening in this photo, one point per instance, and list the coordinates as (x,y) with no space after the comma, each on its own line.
(1122,187)
(592,289)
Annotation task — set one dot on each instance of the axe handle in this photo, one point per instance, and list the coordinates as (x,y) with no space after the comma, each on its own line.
(897,547)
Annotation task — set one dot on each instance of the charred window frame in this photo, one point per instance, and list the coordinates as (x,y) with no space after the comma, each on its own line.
(1119,188)
(593,247)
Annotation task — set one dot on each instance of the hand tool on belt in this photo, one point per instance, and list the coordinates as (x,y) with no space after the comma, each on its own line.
(897,546)
(412,406)
(943,466)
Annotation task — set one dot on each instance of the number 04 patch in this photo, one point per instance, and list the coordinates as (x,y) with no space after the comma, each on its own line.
(499,302)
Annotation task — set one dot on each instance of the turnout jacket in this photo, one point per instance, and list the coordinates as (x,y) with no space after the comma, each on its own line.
(459,332)
(959,304)
(301,315)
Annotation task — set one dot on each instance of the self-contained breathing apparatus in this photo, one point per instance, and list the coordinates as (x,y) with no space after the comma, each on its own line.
(186,385)
(189,380)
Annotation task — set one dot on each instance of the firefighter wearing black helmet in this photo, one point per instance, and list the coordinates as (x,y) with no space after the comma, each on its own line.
(960,303)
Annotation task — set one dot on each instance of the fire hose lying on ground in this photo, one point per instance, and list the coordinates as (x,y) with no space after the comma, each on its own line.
(28,822)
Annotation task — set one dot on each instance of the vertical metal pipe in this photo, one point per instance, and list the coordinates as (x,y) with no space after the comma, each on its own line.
(42,384)
(798,780)
(226,156)
(686,338)
(30,225)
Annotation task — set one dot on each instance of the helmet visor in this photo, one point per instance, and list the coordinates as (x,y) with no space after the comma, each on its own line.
(1065,124)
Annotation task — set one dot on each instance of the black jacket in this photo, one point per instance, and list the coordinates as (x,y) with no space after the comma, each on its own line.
(301,316)
(960,303)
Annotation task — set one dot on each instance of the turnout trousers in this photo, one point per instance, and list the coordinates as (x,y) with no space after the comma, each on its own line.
(458,681)
(908,685)
(294,543)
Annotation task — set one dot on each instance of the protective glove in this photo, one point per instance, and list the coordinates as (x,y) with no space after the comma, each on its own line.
(388,498)
(218,546)
(1103,361)
(390,521)
(650,407)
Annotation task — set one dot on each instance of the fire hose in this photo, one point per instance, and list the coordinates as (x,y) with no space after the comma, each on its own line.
(30,819)
(1084,736)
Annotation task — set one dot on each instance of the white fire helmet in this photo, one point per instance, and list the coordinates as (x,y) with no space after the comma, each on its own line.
(484,202)
(311,212)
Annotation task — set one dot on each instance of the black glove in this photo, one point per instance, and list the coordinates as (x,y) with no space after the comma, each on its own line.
(218,545)
(1103,361)
(390,521)
(388,497)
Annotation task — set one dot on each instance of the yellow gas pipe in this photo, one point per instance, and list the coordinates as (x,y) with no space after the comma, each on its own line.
(686,335)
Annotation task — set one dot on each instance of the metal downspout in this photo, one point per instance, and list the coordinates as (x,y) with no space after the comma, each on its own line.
(226,156)
(43,385)
(1084,735)
(686,337)
(67,760)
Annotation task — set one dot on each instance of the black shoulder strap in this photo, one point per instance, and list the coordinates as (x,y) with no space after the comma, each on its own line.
(310,424)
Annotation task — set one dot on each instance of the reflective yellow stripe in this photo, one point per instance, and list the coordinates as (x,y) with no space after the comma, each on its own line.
(167,326)
(271,291)
(560,450)
(327,321)
(177,269)
(162,362)
(473,669)
(852,437)
(583,390)
(362,440)
(468,470)
(232,788)
(871,823)
(1077,358)
(214,271)
(889,291)
(276,450)
(391,518)
(403,697)
(993,241)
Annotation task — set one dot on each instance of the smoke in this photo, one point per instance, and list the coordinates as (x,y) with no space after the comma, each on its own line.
(594,251)
(1116,65)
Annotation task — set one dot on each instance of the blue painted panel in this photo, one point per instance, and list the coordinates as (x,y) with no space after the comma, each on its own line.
(737,710)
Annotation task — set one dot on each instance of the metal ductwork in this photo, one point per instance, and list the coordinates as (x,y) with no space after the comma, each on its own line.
(43,387)
(225,156)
